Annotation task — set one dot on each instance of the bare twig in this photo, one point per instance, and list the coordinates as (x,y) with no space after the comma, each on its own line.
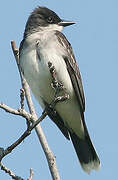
(22,96)
(31,174)
(20,112)
(8,171)
(23,136)
(13,175)
(9,109)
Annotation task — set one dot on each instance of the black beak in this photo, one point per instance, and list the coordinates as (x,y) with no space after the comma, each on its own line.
(66,23)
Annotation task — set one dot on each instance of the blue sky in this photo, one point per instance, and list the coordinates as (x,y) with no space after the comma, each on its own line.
(95,43)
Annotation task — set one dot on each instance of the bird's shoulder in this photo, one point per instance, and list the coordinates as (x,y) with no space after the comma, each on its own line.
(70,55)
(72,67)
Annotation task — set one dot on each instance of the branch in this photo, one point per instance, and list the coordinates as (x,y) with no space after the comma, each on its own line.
(31,174)
(22,97)
(8,171)
(13,175)
(20,112)
(49,155)
(23,136)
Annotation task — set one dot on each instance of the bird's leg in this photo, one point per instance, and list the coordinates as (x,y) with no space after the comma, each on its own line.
(57,86)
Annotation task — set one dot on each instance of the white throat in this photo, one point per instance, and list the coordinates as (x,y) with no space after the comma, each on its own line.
(52,27)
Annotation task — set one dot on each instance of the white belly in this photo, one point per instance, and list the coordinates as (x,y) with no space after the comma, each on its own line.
(39,79)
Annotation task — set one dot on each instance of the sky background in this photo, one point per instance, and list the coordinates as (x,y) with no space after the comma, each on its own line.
(95,43)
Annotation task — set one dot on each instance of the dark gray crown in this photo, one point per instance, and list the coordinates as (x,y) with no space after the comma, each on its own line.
(40,17)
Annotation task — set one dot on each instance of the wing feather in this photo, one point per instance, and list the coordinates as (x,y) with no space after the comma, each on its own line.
(73,69)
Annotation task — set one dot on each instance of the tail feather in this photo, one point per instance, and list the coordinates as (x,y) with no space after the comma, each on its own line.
(86,152)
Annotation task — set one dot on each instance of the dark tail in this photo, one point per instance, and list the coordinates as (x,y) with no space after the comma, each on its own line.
(85,151)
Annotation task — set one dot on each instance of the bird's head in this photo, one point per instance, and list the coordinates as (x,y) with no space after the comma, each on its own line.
(42,19)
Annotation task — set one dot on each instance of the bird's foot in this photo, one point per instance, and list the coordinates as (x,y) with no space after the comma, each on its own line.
(55,83)
(57,86)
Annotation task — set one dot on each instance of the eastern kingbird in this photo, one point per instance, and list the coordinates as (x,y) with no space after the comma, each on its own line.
(42,43)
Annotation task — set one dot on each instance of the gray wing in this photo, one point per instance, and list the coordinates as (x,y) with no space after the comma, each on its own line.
(83,147)
(73,69)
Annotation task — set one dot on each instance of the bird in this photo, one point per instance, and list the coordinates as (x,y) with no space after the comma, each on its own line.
(44,42)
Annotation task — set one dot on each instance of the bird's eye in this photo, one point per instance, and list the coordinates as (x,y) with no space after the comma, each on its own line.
(50,19)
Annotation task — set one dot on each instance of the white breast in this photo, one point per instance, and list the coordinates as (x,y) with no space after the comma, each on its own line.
(36,68)
(36,72)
